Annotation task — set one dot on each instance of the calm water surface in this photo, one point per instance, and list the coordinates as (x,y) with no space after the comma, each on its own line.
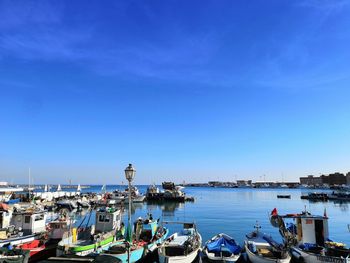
(235,210)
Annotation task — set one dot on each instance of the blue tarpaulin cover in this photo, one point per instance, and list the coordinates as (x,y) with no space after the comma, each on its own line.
(273,242)
(223,244)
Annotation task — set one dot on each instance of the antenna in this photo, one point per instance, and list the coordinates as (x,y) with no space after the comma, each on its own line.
(28,178)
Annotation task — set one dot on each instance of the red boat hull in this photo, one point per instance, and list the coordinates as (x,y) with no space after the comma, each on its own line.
(40,251)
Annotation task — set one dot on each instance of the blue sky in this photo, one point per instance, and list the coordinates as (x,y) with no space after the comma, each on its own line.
(185,90)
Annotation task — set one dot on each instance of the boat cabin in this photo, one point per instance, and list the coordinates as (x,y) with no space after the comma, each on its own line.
(307,228)
(31,222)
(145,229)
(57,229)
(107,219)
(182,243)
(5,215)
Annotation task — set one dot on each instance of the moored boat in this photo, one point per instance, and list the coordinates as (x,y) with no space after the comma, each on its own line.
(13,255)
(148,234)
(222,248)
(261,248)
(21,226)
(181,247)
(308,238)
(88,240)
(283,196)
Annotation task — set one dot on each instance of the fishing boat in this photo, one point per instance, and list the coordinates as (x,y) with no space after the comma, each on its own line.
(119,250)
(12,255)
(181,247)
(7,192)
(222,248)
(307,236)
(118,196)
(315,196)
(261,248)
(136,196)
(34,248)
(21,226)
(46,246)
(148,235)
(153,192)
(92,239)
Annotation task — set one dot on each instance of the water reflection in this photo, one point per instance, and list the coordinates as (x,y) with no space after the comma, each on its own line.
(344,206)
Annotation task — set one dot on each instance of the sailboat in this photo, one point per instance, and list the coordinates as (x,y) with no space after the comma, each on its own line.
(79,188)
(59,188)
(103,189)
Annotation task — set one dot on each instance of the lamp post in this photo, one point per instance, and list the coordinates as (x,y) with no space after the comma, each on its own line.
(129,175)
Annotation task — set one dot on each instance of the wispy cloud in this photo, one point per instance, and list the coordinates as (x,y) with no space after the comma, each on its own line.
(324,5)
(40,32)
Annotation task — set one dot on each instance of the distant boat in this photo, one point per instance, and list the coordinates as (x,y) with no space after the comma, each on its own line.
(59,188)
(179,187)
(78,188)
(222,248)
(283,196)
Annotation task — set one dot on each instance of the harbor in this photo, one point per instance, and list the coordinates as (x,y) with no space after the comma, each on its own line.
(174,131)
(93,223)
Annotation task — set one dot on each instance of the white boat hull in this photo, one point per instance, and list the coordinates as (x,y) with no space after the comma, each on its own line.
(179,259)
(213,258)
(299,254)
(260,259)
(18,240)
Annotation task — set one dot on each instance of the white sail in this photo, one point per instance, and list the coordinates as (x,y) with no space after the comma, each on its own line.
(59,188)
(103,189)
(79,188)
(46,188)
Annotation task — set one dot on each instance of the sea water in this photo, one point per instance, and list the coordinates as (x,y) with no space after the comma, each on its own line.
(235,211)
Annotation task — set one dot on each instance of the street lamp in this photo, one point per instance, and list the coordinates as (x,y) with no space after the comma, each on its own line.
(129,175)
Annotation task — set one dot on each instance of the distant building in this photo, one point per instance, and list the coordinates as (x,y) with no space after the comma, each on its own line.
(311,180)
(244,182)
(334,179)
(214,183)
(348,178)
(331,179)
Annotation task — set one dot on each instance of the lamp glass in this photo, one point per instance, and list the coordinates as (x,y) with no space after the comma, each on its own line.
(130,172)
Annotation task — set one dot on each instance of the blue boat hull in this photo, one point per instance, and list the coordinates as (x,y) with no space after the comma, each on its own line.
(135,255)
